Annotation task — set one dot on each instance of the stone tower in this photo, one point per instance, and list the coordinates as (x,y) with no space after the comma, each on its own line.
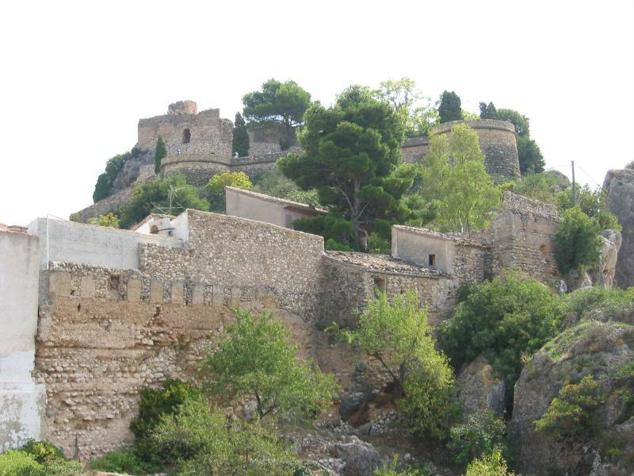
(195,141)
(498,142)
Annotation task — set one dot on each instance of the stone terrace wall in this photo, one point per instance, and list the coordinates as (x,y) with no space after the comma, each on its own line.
(523,237)
(236,253)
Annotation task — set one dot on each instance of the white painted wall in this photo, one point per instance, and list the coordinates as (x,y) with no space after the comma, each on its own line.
(91,244)
(21,400)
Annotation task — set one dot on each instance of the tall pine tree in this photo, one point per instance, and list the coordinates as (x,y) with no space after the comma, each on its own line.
(240,136)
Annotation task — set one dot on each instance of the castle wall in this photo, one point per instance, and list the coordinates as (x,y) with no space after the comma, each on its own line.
(21,399)
(523,236)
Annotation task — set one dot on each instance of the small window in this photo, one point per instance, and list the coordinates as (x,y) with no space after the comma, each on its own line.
(154,230)
(187,136)
(432,260)
(380,285)
(115,279)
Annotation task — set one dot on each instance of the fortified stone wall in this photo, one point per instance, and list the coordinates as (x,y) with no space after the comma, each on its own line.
(523,237)
(498,142)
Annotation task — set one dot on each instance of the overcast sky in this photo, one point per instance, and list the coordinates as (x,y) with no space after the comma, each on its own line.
(77,76)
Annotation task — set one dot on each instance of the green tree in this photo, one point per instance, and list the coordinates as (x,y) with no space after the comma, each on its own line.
(108,219)
(529,155)
(283,103)
(105,181)
(592,203)
(520,121)
(240,136)
(487,111)
(170,195)
(543,186)
(416,111)
(449,108)
(208,443)
(577,241)
(216,187)
(277,379)
(504,319)
(160,152)
(398,336)
(350,153)
(481,433)
(455,176)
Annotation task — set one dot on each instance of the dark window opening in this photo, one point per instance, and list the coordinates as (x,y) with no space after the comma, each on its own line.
(187,136)
(432,260)
(154,230)
(114,281)
(380,285)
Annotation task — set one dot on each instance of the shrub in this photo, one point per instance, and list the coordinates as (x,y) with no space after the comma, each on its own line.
(505,319)
(599,302)
(394,468)
(103,187)
(545,186)
(480,434)
(124,461)
(277,379)
(206,442)
(154,404)
(21,463)
(42,451)
(397,335)
(577,242)
(489,465)
(592,203)
(570,415)
(217,183)
(109,219)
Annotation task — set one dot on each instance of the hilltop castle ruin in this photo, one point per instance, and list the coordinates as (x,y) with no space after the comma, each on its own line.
(199,145)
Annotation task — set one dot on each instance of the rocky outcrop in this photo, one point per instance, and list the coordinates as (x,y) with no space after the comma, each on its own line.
(604,350)
(360,457)
(479,390)
(611,244)
(619,188)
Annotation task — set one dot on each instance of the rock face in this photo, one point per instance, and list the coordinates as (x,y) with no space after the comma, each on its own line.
(604,275)
(361,459)
(479,390)
(619,187)
(604,350)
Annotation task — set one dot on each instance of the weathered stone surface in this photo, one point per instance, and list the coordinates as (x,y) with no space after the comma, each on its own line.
(611,244)
(603,350)
(360,458)
(619,188)
(479,390)
(351,403)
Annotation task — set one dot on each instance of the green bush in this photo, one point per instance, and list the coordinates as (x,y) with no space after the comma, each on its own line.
(570,415)
(215,189)
(394,468)
(506,319)
(577,242)
(397,335)
(204,441)
(42,451)
(124,461)
(489,465)
(480,434)
(598,302)
(592,203)
(257,360)
(21,463)
(154,404)
(103,187)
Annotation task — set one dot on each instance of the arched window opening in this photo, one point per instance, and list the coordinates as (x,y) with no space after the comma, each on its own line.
(187,136)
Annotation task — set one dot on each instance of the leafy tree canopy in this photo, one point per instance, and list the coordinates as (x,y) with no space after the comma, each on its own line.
(530,156)
(504,319)
(544,186)
(397,334)
(487,111)
(284,103)
(520,121)
(276,378)
(449,108)
(109,219)
(351,152)
(577,241)
(103,187)
(216,187)
(416,111)
(170,195)
(455,176)
(592,203)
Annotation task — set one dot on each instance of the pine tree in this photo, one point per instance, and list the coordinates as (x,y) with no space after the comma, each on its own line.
(159,153)
(240,137)
(449,109)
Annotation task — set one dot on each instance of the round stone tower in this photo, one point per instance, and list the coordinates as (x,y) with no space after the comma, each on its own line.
(498,142)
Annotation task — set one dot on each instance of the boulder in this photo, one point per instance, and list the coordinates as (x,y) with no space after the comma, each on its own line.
(360,457)
(479,390)
(351,403)
(611,244)
(604,350)
(619,188)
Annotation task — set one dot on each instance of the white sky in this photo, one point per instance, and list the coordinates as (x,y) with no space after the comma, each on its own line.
(76,76)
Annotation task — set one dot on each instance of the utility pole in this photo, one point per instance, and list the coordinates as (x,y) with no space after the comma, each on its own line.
(574,187)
